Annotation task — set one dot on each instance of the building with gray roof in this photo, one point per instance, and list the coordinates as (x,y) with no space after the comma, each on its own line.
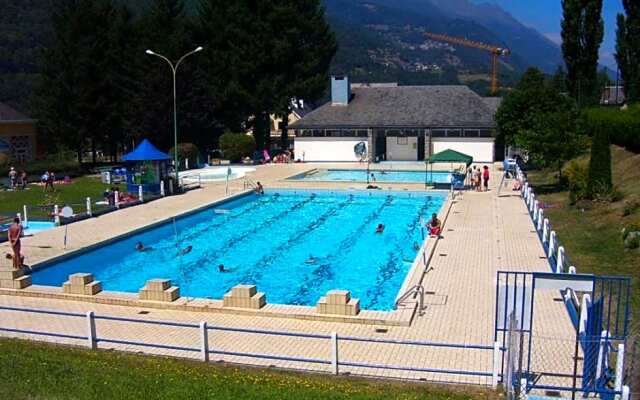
(396,123)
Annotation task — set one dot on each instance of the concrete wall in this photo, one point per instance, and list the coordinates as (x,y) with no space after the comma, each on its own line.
(481,149)
(402,152)
(326,149)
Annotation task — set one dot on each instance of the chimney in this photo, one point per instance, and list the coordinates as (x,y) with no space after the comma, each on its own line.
(340,90)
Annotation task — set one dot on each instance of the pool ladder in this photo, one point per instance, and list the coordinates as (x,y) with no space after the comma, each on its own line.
(415,290)
(249,184)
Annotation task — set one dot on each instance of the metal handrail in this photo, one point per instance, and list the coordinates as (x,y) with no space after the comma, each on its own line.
(249,183)
(415,289)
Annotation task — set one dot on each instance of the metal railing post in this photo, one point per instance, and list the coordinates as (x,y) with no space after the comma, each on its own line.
(56,214)
(552,243)
(204,341)
(24,215)
(523,389)
(334,353)
(140,194)
(626,393)
(116,198)
(545,230)
(89,211)
(560,260)
(91,330)
(496,364)
(540,218)
(162,188)
(619,367)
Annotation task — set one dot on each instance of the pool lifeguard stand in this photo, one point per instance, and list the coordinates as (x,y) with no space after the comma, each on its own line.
(148,167)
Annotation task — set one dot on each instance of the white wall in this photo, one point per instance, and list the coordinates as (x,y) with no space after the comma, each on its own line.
(402,152)
(326,149)
(481,149)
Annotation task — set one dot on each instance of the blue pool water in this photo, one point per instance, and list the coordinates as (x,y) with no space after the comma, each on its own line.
(33,227)
(267,241)
(360,175)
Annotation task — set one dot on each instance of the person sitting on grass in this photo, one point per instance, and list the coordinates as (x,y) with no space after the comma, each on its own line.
(435,226)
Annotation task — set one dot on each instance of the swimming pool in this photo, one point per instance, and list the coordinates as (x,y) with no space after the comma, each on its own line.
(33,227)
(269,241)
(360,175)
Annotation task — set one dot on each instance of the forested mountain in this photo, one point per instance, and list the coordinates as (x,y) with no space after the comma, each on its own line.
(379,40)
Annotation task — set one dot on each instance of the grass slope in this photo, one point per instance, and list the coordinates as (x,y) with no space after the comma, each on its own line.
(40,371)
(591,232)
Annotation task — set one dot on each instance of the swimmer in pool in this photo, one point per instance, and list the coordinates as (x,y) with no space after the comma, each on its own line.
(416,246)
(221,268)
(141,247)
(380,228)
(184,251)
(310,260)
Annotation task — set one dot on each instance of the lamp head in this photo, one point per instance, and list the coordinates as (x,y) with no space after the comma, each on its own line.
(150,52)
(199,48)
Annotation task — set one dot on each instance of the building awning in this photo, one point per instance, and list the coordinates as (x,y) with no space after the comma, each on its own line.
(450,156)
(145,151)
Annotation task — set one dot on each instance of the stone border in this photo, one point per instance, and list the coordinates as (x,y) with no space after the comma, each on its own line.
(164,296)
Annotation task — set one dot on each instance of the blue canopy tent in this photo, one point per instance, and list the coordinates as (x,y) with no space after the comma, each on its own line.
(149,167)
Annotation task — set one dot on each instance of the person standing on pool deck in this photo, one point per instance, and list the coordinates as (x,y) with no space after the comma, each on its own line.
(15,233)
(485,178)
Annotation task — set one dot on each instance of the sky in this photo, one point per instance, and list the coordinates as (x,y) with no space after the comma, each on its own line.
(545,16)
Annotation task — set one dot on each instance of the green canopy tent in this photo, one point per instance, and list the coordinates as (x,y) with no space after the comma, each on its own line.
(446,156)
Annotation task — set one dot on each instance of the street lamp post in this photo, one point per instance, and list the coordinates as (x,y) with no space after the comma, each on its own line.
(174,68)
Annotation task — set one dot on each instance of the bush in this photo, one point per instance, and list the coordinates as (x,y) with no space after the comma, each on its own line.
(630,207)
(235,146)
(599,182)
(622,126)
(186,151)
(577,174)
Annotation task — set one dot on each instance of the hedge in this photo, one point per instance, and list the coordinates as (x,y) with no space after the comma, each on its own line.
(622,126)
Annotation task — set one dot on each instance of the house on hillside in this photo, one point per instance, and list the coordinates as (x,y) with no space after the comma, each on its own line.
(398,123)
(18,134)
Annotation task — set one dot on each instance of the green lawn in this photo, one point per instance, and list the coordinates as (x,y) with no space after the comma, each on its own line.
(39,371)
(74,194)
(591,231)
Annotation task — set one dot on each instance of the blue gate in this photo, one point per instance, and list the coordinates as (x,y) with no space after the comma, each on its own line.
(575,353)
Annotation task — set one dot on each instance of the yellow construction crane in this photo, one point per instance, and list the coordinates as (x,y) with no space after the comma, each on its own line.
(496,53)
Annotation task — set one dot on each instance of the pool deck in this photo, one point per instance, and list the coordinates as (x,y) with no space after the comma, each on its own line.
(483,234)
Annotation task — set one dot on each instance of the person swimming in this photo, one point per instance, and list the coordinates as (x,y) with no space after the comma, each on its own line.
(141,247)
(380,228)
(221,268)
(311,259)
(416,246)
(184,251)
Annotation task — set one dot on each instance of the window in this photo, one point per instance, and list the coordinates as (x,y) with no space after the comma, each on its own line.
(403,141)
(471,132)
(304,133)
(454,132)
(332,133)
(318,133)
(348,133)
(486,133)
(438,132)
(362,133)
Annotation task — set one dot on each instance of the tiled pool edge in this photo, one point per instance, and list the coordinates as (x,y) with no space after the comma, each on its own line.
(73,253)
(402,316)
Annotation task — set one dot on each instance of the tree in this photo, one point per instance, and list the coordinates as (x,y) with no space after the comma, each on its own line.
(263,54)
(599,181)
(628,49)
(582,35)
(81,97)
(164,29)
(542,121)
(560,79)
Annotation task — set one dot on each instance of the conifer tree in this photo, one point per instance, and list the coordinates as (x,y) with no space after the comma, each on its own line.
(582,35)
(628,48)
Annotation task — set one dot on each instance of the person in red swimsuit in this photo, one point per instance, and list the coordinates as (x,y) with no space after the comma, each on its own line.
(435,226)
(15,233)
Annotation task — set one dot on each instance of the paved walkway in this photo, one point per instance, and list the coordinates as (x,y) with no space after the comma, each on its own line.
(483,234)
